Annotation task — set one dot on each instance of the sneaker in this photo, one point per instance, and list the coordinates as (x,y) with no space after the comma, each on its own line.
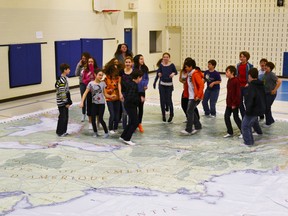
(129,142)
(120,138)
(63,135)
(140,128)
(240,136)
(266,126)
(184,132)
(106,135)
(212,116)
(90,127)
(227,135)
(256,134)
(83,118)
(112,132)
(243,144)
(96,135)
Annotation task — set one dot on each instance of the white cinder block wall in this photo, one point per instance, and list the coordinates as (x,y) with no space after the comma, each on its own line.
(220,29)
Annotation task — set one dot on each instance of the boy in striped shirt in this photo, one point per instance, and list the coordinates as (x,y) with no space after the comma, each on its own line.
(63,100)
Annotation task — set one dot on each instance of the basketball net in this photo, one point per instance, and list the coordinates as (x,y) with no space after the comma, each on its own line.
(113,15)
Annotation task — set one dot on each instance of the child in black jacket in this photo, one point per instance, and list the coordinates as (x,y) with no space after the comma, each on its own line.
(131,102)
(255,105)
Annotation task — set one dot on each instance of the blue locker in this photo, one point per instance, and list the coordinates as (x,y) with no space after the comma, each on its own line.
(24,64)
(94,46)
(67,52)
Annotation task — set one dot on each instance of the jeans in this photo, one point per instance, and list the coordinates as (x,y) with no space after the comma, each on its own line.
(114,110)
(62,120)
(236,117)
(124,116)
(98,109)
(166,99)
(268,113)
(192,117)
(132,124)
(247,123)
(82,90)
(242,105)
(212,95)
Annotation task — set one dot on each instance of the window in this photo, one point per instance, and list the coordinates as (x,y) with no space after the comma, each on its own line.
(155,41)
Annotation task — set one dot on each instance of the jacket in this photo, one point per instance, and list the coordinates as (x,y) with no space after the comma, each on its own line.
(198,83)
(255,99)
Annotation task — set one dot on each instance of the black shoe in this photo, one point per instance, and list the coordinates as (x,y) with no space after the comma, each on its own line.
(164,119)
(170,118)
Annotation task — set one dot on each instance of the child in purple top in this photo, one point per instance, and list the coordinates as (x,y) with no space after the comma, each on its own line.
(213,79)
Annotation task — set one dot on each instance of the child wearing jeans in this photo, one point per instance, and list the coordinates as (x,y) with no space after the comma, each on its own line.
(63,100)
(213,79)
(97,89)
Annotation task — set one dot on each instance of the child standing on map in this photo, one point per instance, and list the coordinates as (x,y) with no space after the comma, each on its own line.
(233,100)
(131,102)
(63,100)
(255,105)
(97,89)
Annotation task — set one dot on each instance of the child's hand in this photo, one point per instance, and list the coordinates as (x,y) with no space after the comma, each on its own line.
(81,105)
(142,99)
(172,75)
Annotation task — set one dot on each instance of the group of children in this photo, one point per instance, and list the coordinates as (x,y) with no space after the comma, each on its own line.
(123,90)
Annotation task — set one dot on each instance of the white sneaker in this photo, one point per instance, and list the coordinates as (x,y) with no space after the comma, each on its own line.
(194,131)
(96,135)
(240,136)
(184,132)
(227,135)
(83,118)
(112,132)
(120,138)
(106,135)
(256,134)
(266,126)
(90,127)
(212,116)
(129,142)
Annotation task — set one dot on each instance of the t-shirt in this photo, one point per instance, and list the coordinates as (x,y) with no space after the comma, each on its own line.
(269,80)
(125,79)
(242,76)
(190,85)
(97,91)
(212,77)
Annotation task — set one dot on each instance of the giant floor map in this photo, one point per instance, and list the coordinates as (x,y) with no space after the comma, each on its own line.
(164,174)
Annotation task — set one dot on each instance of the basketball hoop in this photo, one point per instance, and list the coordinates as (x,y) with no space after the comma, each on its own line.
(113,14)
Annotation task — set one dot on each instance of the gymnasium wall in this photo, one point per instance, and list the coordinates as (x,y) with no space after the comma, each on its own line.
(60,20)
(220,29)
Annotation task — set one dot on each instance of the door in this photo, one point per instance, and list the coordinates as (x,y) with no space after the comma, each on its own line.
(128,37)
(174,45)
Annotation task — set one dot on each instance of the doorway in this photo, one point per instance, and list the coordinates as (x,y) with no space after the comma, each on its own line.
(130,30)
(174,45)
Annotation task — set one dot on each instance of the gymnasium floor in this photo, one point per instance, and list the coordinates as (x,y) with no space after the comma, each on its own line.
(165,174)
